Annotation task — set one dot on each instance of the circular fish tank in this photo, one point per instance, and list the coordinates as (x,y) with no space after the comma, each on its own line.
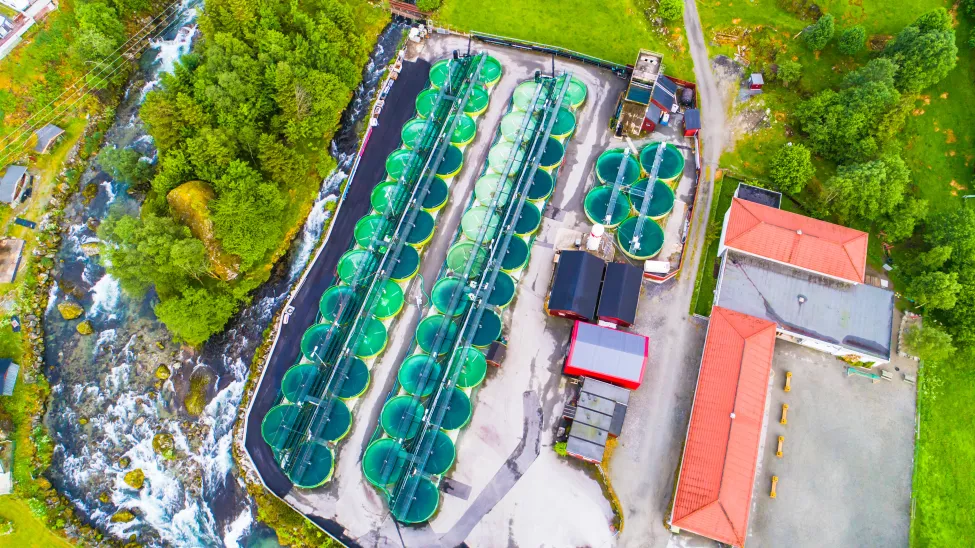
(575,96)
(396,163)
(490,71)
(426,101)
(384,462)
(458,411)
(413,131)
(608,167)
(373,339)
(419,375)
(317,468)
(371,230)
(474,367)
(464,132)
(542,186)
(553,155)
(503,291)
(488,186)
(661,202)
(338,304)
(460,253)
(441,456)
(356,265)
(319,340)
(517,255)
(529,220)
(331,421)
(512,123)
(298,381)
(406,265)
(356,380)
(436,195)
(477,219)
(389,198)
(426,499)
(499,155)
(390,302)
(596,206)
(488,329)
(671,166)
(565,124)
(428,330)
(402,417)
(442,294)
(523,95)
(452,161)
(477,103)
(650,243)
(278,424)
(422,230)
(441,71)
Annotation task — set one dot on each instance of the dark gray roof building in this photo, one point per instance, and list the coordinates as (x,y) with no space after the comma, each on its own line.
(8,374)
(46,136)
(598,414)
(759,195)
(12,183)
(811,309)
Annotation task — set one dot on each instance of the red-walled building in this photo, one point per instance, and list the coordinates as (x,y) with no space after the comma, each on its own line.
(607,354)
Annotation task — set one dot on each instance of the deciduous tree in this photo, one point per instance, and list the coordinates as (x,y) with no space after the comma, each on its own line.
(935,289)
(851,40)
(792,168)
(820,33)
(930,342)
(924,52)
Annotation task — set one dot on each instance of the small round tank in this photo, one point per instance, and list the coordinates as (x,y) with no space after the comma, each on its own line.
(419,375)
(402,417)
(596,206)
(671,166)
(651,239)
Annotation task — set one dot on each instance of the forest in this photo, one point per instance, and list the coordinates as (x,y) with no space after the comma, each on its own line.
(242,127)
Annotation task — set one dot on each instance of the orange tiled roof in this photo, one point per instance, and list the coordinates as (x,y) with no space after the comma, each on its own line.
(800,241)
(714,489)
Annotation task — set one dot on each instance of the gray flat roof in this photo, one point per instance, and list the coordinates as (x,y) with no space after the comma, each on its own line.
(858,317)
(45,135)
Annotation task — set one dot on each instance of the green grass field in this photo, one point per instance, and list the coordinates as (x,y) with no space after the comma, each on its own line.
(29,532)
(614,30)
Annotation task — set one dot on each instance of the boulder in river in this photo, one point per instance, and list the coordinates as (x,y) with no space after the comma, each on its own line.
(135,479)
(196,398)
(70,309)
(124,462)
(164,445)
(85,328)
(163,372)
(123,516)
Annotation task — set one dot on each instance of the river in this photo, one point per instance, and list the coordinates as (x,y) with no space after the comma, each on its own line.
(107,404)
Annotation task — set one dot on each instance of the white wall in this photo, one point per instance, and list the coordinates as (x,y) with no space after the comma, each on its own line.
(19,5)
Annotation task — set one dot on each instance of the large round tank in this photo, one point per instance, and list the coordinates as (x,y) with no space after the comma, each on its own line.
(565,124)
(661,203)
(319,462)
(488,186)
(278,423)
(529,221)
(407,264)
(331,421)
(511,125)
(402,417)
(498,158)
(474,367)
(452,161)
(671,166)
(419,375)
(441,456)
(442,294)
(422,230)
(476,219)
(542,186)
(651,239)
(373,339)
(426,499)
(490,71)
(523,95)
(396,163)
(390,302)
(429,329)
(298,381)
(356,380)
(478,101)
(460,253)
(337,304)
(458,410)
(413,131)
(464,132)
(355,265)
(441,71)
(389,198)
(596,205)
(384,462)
(371,230)
(436,195)
(488,329)
(517,255)
(319,340)
(503,291)
(425,101)
(608,166)
(552,155)
(575,96)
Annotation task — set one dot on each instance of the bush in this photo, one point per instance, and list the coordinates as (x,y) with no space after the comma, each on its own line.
(792,168)
(852,40)
(670,10)
(819,34)
(789,72)
(560,449)
(428,5)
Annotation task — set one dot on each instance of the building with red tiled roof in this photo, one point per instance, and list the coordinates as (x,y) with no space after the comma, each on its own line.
(802,242)
(714,488)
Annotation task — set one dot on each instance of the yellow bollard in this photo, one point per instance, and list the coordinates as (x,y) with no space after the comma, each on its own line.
(778,451)
(785,414)
(775,481)
(788,381)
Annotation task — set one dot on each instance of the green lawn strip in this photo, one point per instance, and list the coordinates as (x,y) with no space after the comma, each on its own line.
(707,255)
(944,472)
(703,297)
(28,530)
(613,30)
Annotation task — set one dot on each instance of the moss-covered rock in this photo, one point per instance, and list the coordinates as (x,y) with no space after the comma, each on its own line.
(82,420)
(123,516)
(163,372)
(189,204)
(70,309)
(85,328)
(196,398)
(43,483)
(164,445)
(124,462)
(104,498)
(135,478)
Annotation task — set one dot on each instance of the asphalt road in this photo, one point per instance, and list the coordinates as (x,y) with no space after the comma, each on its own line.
(372,169)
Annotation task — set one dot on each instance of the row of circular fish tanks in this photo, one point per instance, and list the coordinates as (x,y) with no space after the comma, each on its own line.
(384,462)
(633,190)
(388,200)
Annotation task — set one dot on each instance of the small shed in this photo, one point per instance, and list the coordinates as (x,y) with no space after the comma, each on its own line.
(665,94)
(575,289)
(496,353)
(756,81)
(8,374)
(598,414)
(11,252)
(652,117)
(692,122)
(46,136)
(759,195)
(607,354)
(13,183)
(620,294)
